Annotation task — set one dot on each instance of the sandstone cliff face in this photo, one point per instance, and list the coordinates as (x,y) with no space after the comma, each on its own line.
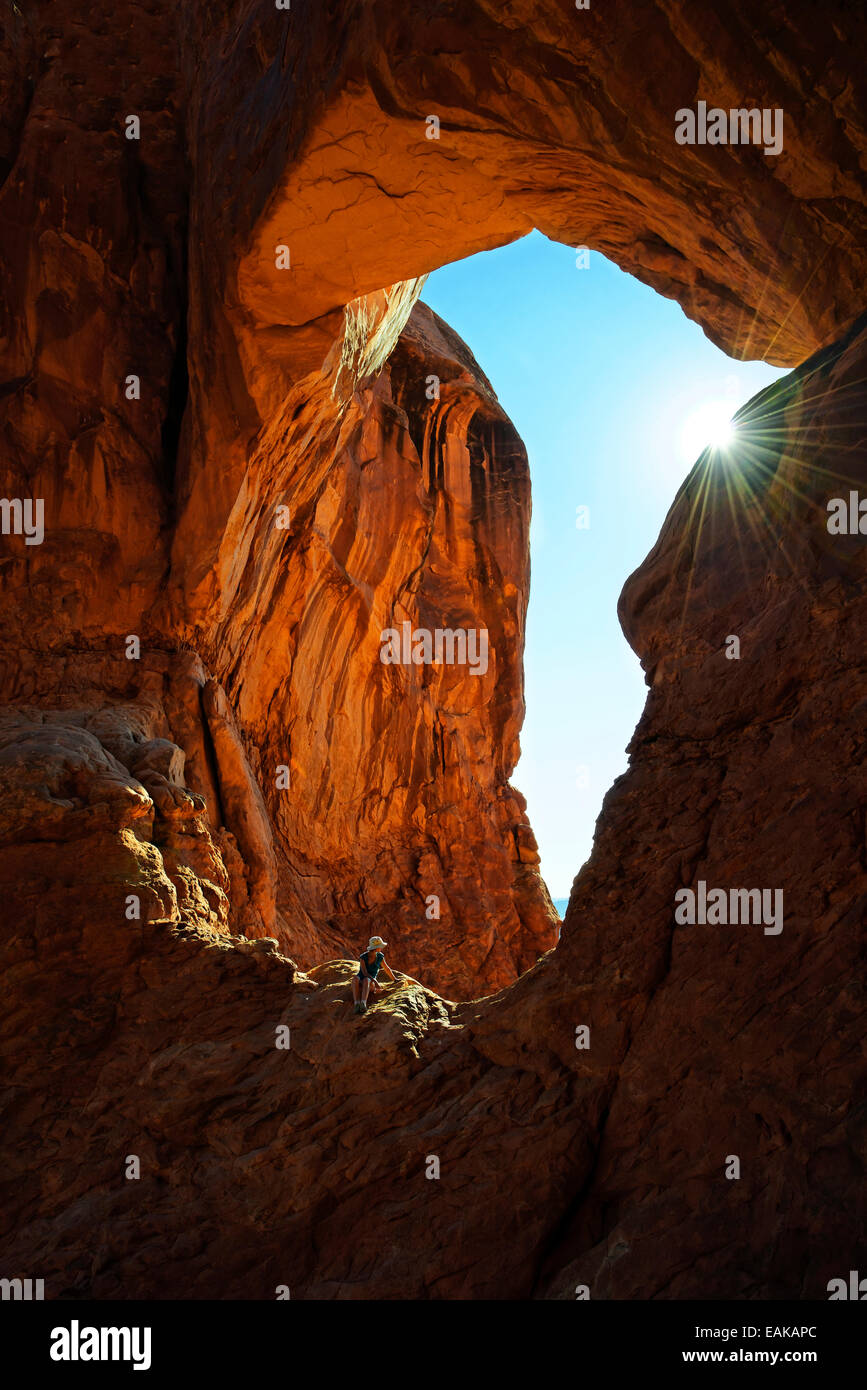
(356,795)
(558,1167)
(162,499)
(409,511)
(255,771)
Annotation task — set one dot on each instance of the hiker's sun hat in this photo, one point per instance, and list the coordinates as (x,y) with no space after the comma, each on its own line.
(376,941)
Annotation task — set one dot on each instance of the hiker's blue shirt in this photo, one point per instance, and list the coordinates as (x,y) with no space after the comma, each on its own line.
(372,970)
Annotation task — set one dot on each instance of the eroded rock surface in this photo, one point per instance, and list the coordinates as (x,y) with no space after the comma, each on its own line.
(558,1166)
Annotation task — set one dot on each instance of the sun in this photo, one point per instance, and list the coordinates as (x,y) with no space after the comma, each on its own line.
(708,426)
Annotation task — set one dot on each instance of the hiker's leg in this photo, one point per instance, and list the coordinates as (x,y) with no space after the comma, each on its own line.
(355,989)
(365,989)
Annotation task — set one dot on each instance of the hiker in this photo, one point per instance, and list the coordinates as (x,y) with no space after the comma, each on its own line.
(369,964)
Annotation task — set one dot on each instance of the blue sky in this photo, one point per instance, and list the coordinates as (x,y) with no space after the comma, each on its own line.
(608,385)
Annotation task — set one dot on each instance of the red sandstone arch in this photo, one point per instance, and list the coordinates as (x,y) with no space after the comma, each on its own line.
(261,126)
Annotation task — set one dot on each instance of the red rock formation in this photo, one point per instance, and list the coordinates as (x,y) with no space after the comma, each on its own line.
(410,511)
(401,510)
(145,836)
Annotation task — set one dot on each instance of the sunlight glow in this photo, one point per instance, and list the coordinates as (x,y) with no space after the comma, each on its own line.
(709,426)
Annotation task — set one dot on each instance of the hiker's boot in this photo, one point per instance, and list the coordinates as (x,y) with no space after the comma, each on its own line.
(359,1007)
(362,1007)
